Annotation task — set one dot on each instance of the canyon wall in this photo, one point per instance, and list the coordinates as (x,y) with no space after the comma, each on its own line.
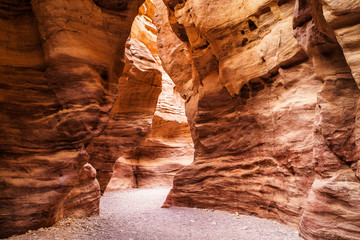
(271,90)
(164,145)
(59,65)
(326,32)
(77,94)
(131,117)
(166,149)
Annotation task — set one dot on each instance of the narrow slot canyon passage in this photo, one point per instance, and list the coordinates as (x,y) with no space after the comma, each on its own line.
(137,214)
(179,119)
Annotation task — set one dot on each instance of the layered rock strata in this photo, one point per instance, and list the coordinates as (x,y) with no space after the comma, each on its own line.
(164,145)
(332,207)
(271,98)
(166,149)
(271,91)
(60,62)
(131,117)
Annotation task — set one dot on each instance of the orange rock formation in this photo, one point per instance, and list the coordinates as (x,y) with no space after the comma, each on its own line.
(271,92)
(59,65)
(272,100)
(148,137)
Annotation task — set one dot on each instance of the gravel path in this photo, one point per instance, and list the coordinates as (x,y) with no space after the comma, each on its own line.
(136,214)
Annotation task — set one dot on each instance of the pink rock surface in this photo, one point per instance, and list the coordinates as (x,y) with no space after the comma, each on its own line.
(131,117)
(271,92)
(153,160)
(272,102)
(59,66)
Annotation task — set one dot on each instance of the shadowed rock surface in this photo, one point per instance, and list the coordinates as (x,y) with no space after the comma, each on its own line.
(272,102)
(59,65)
(147,139)
(271,92)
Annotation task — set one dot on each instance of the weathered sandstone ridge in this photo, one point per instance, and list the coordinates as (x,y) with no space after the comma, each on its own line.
(166,149)
(271,91)
(59,65)
(164,144)
(272,98)
(76,95)
(131,117)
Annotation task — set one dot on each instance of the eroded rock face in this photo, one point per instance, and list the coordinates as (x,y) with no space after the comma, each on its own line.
(131,117)
(84,198)
(336,151)
(271,91)
(60,62)
(272,102)
(166,149)
(164,145)
(344,19)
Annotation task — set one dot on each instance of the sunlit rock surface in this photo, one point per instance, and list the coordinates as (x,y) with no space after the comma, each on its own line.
(272,102)
(344,19)
(131,117)
(165,150)
(331,210)
(59,66)
(271,95)
(165,146)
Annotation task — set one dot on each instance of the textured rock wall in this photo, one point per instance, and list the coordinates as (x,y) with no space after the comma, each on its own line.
(271,91)
(59,65)
(271,97)
(166,149)
(63,64)
(332,208)
(166,145)
(131,117)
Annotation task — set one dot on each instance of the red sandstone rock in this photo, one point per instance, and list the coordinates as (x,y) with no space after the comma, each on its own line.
(168,147)
(336,151)
(131,117)
(175,54)
(84,198)
(332,210)
(271,90)
(153,160)
(270,110)
(165,150)
(59,64)
(344,19)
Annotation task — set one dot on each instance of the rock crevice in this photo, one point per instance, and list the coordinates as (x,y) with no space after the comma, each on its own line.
(92,97)
(274,119)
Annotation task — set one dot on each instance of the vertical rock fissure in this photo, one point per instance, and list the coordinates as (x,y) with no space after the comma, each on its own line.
(334,150)
(148,133)
(271,90)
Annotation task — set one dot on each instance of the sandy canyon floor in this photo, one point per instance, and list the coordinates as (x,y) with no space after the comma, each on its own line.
(137,214)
